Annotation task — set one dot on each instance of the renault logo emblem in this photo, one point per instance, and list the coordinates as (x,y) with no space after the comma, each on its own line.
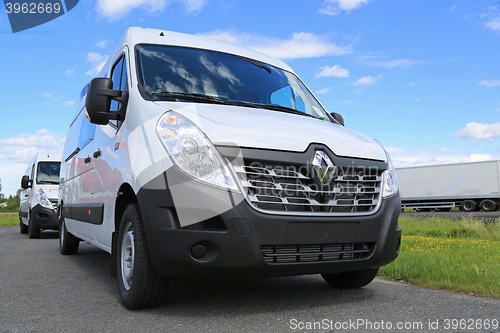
(323,167)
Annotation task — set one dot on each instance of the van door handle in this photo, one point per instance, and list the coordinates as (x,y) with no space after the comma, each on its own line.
(76,151)
(87,160)
(97,153)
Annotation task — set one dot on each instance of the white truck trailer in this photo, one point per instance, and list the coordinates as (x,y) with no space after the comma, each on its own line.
(470,186)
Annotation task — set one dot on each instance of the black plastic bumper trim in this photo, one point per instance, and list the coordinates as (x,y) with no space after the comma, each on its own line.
(44,218)
(240,251)
(90,213)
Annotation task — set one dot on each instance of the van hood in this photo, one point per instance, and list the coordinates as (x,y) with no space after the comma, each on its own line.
(268,129)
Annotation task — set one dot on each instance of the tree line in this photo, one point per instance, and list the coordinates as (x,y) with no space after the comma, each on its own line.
(10,204)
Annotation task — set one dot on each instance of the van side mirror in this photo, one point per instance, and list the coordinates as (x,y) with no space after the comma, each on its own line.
(98,102)
(338,117)
(25,182)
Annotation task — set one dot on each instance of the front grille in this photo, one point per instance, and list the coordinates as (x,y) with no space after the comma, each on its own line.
(54,203)
(285,254)
(278,188)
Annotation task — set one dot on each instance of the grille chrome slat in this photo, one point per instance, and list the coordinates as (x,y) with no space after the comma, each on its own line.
(295,189)
(285,254)
(277,186)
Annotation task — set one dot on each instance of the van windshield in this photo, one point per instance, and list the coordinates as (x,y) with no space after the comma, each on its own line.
(188,74)
(48,172)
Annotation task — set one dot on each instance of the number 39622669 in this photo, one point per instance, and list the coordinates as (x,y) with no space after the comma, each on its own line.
(32,8)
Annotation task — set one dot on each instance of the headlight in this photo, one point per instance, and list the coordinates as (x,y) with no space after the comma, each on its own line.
(192,152)
(42,199)
(390,181)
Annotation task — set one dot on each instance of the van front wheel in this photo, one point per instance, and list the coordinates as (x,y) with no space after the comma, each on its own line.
(351,280)
(138,284)
(68,243)
(33,231)
(23,227)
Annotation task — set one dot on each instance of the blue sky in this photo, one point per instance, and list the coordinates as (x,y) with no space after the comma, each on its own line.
(422,76)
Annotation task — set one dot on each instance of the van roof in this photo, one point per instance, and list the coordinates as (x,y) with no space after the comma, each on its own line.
(47,157)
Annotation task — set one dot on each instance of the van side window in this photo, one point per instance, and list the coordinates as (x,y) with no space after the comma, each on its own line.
(87,132)
(119,77)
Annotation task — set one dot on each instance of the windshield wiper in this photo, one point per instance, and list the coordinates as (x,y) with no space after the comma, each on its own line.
(47,182)
(279,108)
(256,63)
(225,101)
(193,97)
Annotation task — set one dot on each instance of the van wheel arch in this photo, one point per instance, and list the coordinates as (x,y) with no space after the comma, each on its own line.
(125,197)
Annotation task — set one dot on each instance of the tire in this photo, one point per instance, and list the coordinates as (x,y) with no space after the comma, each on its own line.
(138,284)
(468,206)
(488,205)
(33,231)
(23,228)
(68,243)
(351,280)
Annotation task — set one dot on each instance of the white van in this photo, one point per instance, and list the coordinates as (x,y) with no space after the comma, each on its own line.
(192,157)
(39,195)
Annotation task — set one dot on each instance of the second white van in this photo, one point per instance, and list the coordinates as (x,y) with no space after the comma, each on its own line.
(39,195)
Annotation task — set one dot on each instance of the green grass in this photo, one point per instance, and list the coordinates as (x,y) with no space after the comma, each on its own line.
(9,220)
(460,256)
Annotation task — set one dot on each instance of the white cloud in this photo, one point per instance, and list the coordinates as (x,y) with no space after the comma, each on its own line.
(51,98)
(195,6)
(490,83)
(418,158)
(494,24)
(411,84)
(403,157)
(333,7)
(335,71)
(97,61)
(416,100)
(323,91)
(301,45)
(478,131)
(498,106)
(48,95)
(115,10)
(453,7)
(367,81)
(373,61)
(70,72)
(17,151)
(492,19)
(104,43)
(23,147)
(347,101)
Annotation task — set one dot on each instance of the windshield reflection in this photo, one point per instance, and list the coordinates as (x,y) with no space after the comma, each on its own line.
(172,69)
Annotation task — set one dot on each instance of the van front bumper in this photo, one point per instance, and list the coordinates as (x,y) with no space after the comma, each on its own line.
(44,218)
(244,242)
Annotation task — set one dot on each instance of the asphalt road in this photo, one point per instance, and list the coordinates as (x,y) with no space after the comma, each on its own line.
(43,291)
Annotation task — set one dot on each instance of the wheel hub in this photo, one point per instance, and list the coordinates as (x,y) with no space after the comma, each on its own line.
(127,256)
